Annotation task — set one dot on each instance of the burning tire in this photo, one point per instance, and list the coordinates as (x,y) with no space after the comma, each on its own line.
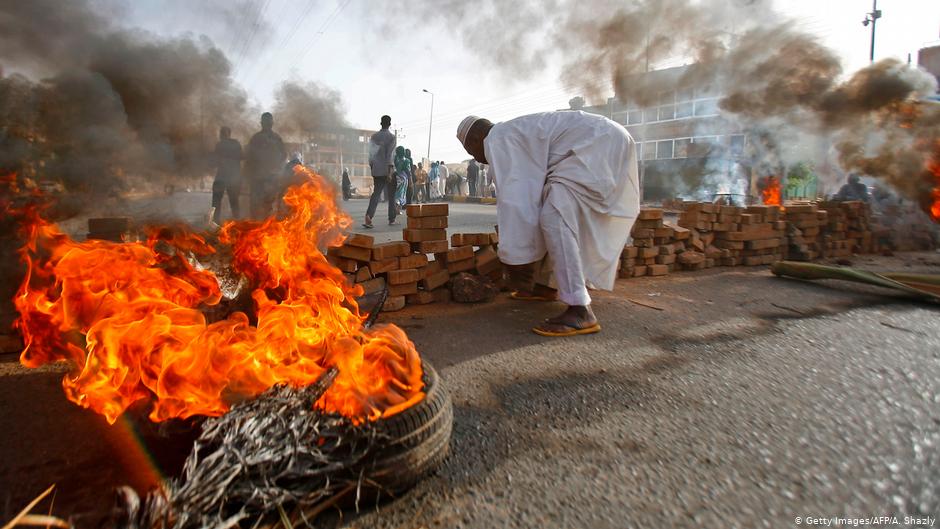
(419,439)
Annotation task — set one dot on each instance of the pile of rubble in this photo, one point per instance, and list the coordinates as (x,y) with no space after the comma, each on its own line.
(424,267)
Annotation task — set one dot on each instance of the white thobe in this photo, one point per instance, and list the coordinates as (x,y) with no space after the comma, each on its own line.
(567,184)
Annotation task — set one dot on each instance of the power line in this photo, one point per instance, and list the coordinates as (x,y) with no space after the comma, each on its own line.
(322,29)
(282,43)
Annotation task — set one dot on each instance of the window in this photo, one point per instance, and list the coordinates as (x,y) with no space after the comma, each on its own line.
(667,112)
(635,117)
(649,150)
(650,115)
(737,145)
(682,147)
(684,110)
(706,107)
(664,149)
(705,90)
(684,94)
(667,98)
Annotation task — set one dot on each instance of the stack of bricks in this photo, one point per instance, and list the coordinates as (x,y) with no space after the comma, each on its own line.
(654,247)
(758,238)
(804,231)
(426,234)
(475,252)
(848,228)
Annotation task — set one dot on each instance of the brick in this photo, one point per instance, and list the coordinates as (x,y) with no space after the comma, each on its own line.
(383,266)
(460,266)
(666,232)
(393,304)
(355,253)
(486,260)
(650,224)
(667,249)
(427,210)
(680,233)
(730,210)
(470,239)
(459,253)
(390,249)
(643,253)
(400,277)
(494,238)
(629,251)
(373,285)
(344,265)
(359,240)
(415,260)
(650,214)
(430,246)
(403,289)
(422,297)
(432,267)
(657,270)
(639,271)
(710,208)
(363,274)
(423,235)
(441,295)
(732,245)
(665,259)
(642,233)
(436,279)
(426,223)
(691,258)
(762,244)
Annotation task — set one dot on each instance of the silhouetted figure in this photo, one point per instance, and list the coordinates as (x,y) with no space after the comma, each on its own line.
(381,158)
(263,166)
(347,185)
(228,174)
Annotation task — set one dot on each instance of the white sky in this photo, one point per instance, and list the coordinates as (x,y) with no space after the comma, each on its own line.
(330,46)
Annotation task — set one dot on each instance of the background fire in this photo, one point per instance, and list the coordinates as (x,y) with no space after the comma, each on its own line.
(131,318)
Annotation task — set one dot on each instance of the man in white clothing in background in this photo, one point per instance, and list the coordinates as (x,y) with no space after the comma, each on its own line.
(567,195)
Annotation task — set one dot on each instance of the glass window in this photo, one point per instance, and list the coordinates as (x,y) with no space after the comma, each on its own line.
(635,117)
(667,98)
(649,150)
(667,112)
(682,147)
(684,110)
(684,94)
(650,115)
(664,149)
(705,90)
(706,107)
(737,145)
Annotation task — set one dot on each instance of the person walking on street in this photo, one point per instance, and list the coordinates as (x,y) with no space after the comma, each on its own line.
(347,185)
(421,184)
(381,159)
(263,165)
(402,170)
(443,174)
(434,176)
(473,173)
(228,174)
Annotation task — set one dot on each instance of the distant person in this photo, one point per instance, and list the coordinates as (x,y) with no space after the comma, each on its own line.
(444,174)
(421,184)
(228,174)
(347,185)
(482,185)
(264,163)
(434,176)
(381,162)
(402,170)
(854,189)
(410,188)
(473,174)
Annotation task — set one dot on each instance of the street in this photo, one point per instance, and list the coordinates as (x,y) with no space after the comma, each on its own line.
(720,398)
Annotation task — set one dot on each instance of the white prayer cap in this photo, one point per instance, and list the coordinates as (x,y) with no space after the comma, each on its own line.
(464,128)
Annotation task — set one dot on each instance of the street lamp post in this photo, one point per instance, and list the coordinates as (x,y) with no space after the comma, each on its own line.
(872,18)
(430,121)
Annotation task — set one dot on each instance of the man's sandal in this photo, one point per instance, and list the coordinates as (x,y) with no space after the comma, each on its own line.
(567,330)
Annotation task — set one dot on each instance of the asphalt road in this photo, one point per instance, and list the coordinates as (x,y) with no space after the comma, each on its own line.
(722,398)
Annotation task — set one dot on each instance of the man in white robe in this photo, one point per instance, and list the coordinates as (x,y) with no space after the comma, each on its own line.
(567,191)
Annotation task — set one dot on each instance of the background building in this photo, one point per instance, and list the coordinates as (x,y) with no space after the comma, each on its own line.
(330,151)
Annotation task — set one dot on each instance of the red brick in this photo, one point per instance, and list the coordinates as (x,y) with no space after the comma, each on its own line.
(403,289)
(436,279)
(415,260)
(430,246)
(427,210)
(460,253)
(423,235)
(385,265)
(419,223)
(390,249)
(400,277)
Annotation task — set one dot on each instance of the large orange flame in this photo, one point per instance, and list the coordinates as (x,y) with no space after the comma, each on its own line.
(771,192)
(131,318)
(933,167)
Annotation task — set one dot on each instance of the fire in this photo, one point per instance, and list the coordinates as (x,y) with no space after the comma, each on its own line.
(131,318)
(771,192)
(933,167)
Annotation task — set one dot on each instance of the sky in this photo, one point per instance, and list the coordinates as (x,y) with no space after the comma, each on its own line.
(337,43)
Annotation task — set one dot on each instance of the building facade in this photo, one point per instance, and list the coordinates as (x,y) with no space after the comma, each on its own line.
(330,151)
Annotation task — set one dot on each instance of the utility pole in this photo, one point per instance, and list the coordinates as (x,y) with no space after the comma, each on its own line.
(872,18)
(430,121)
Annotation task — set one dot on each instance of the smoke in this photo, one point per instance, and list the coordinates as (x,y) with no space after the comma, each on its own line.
(116,106)
(777,83)
(303,109)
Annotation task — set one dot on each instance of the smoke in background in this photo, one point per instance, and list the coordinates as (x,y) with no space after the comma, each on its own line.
(303,109)
(774,78)
(115,104)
